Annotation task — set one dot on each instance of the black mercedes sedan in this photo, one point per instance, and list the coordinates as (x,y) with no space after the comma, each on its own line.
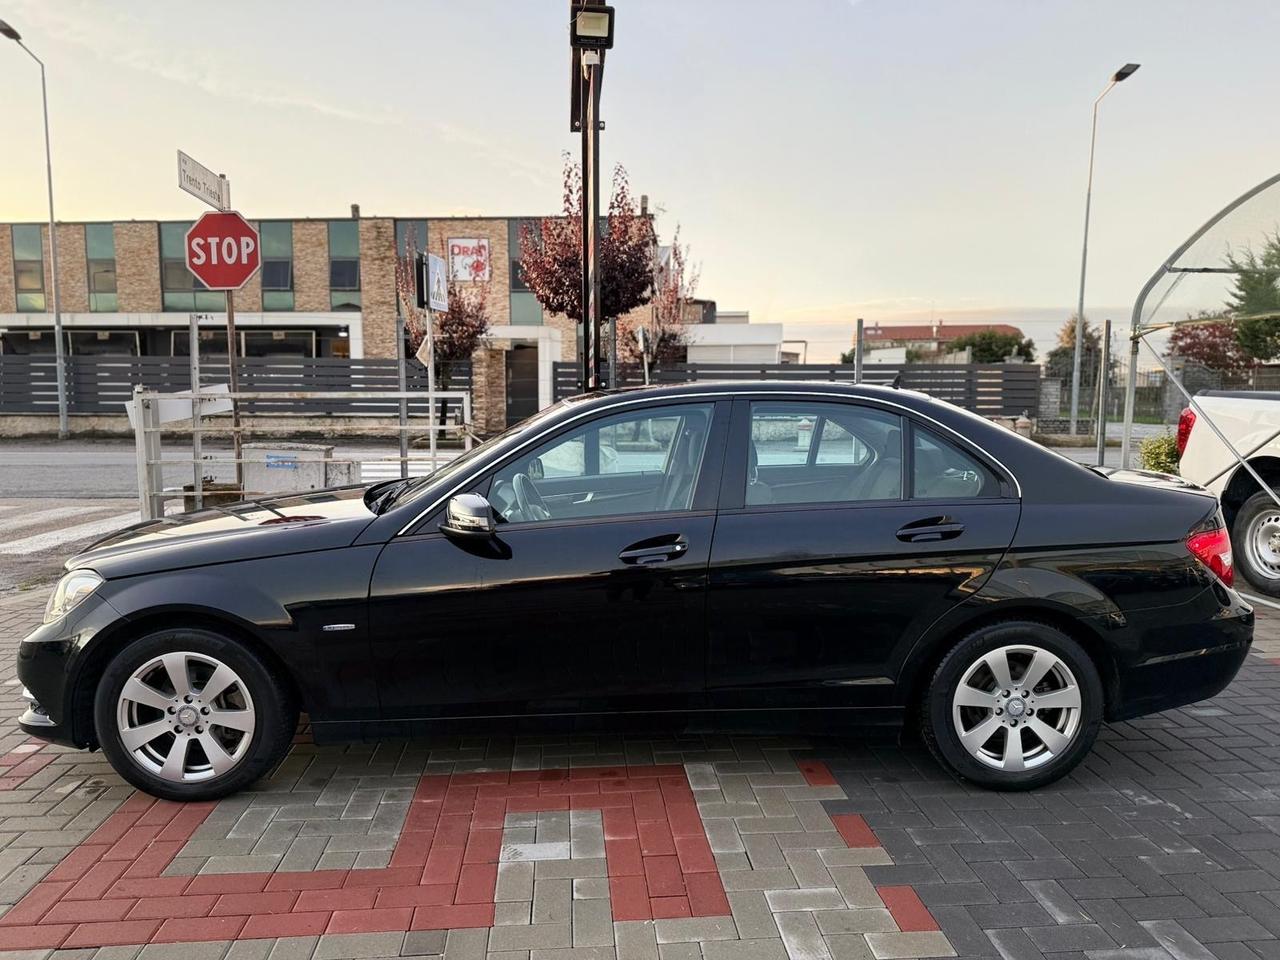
(707,552)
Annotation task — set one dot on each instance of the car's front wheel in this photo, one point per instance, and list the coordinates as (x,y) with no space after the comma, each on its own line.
(1255,542)
(189,714)
(1013,706)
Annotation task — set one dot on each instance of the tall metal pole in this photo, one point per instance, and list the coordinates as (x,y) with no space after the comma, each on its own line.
(590,101)
(859,343)
(193,349)
(1104,371)
(1084,262)
(59,346)
(233,379)
(404,401)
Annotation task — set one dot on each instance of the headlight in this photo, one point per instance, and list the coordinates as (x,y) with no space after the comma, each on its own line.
(71,589)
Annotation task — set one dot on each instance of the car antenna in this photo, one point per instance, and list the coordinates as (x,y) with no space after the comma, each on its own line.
(896,382)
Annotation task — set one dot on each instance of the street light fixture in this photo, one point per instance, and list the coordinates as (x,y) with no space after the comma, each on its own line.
(59,350)
(592,27)
(1124,73)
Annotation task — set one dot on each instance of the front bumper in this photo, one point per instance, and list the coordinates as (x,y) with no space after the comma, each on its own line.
(49,660)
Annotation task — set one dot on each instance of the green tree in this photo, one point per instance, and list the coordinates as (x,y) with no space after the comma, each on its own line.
(992,346)
(1255,299)
(1060,361)
(849,356)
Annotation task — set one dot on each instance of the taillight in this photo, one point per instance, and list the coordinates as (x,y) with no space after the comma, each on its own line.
(1186,420)
(1213,549)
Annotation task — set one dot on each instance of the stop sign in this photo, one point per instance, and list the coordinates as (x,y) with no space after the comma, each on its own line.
(222,250)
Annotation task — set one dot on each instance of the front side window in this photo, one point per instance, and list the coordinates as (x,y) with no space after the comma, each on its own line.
(28,267)
(942,471)
(803,452)
(632,463)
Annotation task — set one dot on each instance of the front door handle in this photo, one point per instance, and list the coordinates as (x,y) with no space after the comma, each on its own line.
(930,530)
(647,551)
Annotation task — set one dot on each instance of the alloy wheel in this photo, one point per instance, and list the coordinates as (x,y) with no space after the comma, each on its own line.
(185,717)
(1262,542)
(1017,708)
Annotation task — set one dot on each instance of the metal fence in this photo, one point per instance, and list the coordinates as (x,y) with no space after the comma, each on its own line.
(989,389)
(101,385)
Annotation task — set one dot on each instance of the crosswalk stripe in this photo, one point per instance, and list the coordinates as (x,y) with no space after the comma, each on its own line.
(31,518)
(55,538)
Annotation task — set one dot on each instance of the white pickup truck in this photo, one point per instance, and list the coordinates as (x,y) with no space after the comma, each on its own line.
(1251,421)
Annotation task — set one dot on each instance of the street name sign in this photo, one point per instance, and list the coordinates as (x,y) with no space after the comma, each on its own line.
(199,181)
(223,250)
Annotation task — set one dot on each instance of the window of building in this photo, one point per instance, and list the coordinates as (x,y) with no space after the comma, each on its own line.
(344,264)
(28,267)
(411,235)
(100,252)
(942,471)
(525,308)
(277,264)
(180,290)
(822,453)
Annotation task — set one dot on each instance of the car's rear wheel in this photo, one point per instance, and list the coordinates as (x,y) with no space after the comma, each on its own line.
(1013,706)
(1255,542)
(192,715)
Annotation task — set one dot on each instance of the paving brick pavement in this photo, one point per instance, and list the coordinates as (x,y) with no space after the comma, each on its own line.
(1165,844)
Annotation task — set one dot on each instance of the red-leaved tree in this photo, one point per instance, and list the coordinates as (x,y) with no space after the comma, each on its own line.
(551,253)
(1212,344)
(665,329)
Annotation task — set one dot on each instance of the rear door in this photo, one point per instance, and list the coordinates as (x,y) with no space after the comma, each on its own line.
(844,531)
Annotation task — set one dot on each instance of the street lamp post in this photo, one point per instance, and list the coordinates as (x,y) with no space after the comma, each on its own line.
(59,349)
(1124,73)
(590,35)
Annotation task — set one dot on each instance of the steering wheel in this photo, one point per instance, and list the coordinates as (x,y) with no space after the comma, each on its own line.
(529,500)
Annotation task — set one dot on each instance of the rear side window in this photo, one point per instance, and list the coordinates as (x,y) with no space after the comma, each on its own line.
(942,471)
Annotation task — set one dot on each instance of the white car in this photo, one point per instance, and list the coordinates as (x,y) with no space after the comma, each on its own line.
(1251,421)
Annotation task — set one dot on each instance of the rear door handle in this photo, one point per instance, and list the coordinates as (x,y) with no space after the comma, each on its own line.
(644,553)
(930,530)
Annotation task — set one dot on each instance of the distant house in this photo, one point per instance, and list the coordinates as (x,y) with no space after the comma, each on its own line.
(928,339)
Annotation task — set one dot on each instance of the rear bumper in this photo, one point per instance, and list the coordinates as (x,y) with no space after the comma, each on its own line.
(1188,653)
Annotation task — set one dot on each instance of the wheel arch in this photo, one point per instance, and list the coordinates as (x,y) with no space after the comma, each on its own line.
(929,653)
(107,644)
(1242,485)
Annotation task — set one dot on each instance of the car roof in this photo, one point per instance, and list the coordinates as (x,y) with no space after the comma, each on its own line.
(865,391)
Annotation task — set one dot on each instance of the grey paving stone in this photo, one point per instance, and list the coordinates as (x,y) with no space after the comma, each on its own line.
(801,937)
(819,898)
(575,953)
(510,912)
(208,950)
(423,943)
(891,946)
(592,923)
(679,951)
(515,881)
(695,929)
(357,946)
(762,949)
(538,936)
(849,947)
(865,920)
(635,940)
(591,888)
(466,944)
(752,915)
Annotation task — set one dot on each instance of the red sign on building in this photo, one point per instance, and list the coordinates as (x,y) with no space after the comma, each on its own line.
(223,250)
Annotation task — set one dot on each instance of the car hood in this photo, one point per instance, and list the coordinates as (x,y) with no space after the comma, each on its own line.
(297,523)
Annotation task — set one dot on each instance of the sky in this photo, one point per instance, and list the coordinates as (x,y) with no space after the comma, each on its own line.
(898,160)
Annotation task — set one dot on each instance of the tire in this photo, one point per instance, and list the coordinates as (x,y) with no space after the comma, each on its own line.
(1255,543)
(1060,736)
(178,743)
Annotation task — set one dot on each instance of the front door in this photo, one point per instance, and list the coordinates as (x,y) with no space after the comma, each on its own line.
(522,382)
(845,530)
(592,595)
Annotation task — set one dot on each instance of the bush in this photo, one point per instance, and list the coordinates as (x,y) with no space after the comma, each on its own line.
(1159,454)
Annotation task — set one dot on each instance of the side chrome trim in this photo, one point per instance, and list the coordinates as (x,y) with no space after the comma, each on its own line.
(718,395)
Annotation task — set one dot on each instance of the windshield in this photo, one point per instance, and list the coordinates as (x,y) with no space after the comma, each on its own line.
(459,466)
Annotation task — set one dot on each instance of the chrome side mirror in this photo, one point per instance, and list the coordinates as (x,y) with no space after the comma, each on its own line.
(468,516)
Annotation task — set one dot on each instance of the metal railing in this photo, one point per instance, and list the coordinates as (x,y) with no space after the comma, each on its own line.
(153,416)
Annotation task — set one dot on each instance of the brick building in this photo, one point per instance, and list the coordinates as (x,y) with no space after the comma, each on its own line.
(326,289)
